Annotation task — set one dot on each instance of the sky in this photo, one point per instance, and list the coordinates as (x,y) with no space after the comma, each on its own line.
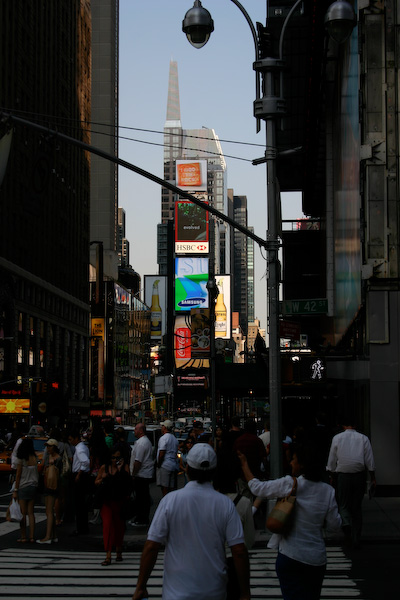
(217,90)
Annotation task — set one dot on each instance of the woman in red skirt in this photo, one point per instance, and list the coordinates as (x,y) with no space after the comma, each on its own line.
(114,484)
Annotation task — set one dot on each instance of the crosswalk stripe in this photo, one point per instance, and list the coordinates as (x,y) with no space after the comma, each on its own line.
(38,572)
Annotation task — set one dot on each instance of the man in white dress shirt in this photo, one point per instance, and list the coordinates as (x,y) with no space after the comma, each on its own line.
(167,459)
(80,480)
(194,523)
(142,470)
(350,457)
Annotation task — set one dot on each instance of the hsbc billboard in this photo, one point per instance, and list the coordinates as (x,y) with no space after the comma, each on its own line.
(191,247)
(191,228)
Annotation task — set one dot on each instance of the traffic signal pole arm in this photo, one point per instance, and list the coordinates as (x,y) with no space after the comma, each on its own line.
(8,117)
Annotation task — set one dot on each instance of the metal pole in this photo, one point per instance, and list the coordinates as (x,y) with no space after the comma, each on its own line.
(212,296)
(273,295)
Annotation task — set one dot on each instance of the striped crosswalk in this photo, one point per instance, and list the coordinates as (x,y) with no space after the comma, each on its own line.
(38,572)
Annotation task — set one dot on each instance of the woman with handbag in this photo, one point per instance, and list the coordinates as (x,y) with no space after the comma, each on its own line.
(52,471)
(25,488)
(114,481)
(301,560)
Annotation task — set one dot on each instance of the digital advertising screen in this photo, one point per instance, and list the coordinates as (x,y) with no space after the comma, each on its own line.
(191,228)
(155,296)
(191,276)
(15,406)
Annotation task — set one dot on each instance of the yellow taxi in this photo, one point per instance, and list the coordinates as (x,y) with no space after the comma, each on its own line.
(39,446)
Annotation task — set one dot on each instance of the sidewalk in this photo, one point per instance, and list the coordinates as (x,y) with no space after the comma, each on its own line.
(381,523)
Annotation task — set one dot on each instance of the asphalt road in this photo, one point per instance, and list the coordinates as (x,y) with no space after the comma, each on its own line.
(374,567)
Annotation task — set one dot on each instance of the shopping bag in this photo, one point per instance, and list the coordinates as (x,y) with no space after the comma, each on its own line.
(14,511)
(281,516)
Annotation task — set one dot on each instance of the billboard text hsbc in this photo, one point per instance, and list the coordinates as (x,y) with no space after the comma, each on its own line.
(191,247)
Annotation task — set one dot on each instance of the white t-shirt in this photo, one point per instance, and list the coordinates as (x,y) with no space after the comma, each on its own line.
(265,438)
(143,452)
(315,509)
(29,474)
(14,453)
(81,460)
(195,522)
(169,443)
(351,452)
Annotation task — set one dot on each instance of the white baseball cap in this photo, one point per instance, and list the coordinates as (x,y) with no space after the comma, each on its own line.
(202,457)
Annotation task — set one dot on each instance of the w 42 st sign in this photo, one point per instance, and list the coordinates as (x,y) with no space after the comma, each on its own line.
(313,306)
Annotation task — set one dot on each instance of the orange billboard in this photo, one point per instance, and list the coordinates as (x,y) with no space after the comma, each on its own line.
(14,406)
(191,175)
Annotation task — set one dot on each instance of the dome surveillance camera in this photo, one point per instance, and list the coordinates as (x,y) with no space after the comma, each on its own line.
(198,25)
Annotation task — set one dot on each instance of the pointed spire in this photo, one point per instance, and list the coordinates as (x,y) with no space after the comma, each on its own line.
(173,106)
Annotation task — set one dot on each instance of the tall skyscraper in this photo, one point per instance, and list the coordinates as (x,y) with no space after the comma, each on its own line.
(243,272)
(122,243)
(45,77)
(250,279)
(188,144)
(104,174)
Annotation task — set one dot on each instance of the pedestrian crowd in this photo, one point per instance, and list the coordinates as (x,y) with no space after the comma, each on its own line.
(226,484)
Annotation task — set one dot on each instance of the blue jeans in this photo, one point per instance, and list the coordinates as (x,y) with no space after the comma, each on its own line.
(299,581)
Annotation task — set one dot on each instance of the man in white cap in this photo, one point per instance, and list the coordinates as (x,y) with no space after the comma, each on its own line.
(167,460)
(194,523)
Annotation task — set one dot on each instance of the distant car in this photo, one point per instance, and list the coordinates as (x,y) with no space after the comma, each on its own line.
(39,444)
(129,432)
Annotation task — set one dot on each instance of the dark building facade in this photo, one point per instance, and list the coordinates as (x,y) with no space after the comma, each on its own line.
(342,110)
(45,77)
(240,270)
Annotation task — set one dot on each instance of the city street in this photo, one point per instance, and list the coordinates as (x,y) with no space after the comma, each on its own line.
(51,572)
(71,568)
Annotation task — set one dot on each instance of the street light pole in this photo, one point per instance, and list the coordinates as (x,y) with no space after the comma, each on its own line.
(198,26)
(269,107)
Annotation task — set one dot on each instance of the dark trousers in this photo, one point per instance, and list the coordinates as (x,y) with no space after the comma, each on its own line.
(81,493)
(141,488)
(350,494)
(299,581)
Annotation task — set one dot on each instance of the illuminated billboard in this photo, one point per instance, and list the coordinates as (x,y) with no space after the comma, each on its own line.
(183,345)
(200,327)
(191,228)
(191,276)
(182,339)
(191,175)
(155,296)
(223,312)
(14,406)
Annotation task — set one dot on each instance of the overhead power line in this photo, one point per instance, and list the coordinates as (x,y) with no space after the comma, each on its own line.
(52,120)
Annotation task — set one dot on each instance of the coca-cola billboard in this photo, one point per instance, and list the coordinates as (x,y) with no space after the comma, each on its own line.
(182,337)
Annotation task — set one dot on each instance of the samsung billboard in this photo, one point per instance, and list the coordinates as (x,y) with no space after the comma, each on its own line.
(191,276)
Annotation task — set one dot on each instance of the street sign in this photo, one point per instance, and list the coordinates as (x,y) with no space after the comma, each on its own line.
(312,306)
(289,330)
